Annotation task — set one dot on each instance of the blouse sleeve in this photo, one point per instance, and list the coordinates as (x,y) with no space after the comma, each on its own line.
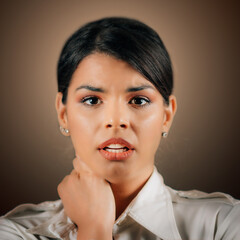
(8,230)
(229,229)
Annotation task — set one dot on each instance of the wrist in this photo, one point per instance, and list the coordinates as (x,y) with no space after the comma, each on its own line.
(93,234)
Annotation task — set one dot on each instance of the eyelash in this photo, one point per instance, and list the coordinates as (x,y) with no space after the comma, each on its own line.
(137,97)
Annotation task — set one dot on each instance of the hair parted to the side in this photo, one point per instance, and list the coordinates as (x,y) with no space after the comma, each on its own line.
(123,38)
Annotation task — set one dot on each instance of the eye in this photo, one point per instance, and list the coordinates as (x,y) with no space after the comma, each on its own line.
(140,101)
(91,101)
(94,101)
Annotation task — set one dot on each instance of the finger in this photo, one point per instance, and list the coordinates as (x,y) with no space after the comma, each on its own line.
(81,167)
(76,165)
(75,173)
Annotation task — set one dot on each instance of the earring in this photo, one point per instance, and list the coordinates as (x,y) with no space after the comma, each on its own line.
(164,134)
(64,131)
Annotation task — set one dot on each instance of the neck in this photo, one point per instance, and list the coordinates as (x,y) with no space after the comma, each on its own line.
(124,193)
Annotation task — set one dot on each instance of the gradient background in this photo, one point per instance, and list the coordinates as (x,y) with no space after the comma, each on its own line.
(202,37)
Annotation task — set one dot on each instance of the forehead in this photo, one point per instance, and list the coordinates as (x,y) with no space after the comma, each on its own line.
(99,69)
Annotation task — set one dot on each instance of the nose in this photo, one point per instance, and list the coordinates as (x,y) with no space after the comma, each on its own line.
(116,116)
(112,125)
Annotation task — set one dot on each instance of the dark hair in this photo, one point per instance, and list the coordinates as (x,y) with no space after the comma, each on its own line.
(126,39)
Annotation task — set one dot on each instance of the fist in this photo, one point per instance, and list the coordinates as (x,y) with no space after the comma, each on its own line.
(88,201)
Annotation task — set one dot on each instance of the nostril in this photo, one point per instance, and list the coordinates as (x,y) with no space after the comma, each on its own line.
(121,125)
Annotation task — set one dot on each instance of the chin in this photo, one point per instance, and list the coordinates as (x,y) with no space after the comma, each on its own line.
(117,174)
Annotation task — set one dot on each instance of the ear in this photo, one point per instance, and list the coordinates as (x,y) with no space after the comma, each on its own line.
(61,111)
(169,113)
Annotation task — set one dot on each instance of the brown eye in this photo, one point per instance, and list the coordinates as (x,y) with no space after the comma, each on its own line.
(91,101)
(140,101)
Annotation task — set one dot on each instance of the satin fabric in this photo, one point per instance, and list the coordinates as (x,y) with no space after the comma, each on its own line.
(157,213)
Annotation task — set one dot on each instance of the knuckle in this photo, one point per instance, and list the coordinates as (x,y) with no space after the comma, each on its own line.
(63,182)
(76,165)
(59,188)
(74,161)
(72,180)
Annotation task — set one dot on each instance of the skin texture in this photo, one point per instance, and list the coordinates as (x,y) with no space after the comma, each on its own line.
(114,113)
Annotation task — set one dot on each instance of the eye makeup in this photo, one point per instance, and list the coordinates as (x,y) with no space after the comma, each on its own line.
(93,101)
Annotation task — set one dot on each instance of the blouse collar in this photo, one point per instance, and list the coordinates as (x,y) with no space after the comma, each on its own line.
(152,208)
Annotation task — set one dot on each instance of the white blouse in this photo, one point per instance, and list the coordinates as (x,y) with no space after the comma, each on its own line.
(157,212)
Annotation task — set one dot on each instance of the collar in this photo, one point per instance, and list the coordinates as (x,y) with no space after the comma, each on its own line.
(152,208)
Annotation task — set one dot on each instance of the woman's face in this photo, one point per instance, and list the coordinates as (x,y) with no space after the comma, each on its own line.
(113,111)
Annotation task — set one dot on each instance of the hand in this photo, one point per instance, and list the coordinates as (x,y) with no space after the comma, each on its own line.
(88,201)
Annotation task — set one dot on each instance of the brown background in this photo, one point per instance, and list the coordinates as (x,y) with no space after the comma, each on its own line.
(202,150)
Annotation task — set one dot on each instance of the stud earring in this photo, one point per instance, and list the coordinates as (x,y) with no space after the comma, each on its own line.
(164,134)
(64,131)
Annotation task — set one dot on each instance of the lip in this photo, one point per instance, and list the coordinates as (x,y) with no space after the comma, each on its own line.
(116,156)
(116,141)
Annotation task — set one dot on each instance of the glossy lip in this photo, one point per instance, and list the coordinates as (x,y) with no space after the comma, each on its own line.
(116,156)
(116,141)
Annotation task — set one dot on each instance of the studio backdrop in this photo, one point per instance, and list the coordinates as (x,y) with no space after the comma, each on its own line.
(202,37)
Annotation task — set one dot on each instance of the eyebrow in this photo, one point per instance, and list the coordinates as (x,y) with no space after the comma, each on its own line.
(131,89)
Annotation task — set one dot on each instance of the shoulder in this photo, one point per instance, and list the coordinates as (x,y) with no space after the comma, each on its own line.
(210,215)
(13,225)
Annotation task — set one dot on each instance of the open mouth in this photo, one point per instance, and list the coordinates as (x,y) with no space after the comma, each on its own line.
(116,153)
(116,150)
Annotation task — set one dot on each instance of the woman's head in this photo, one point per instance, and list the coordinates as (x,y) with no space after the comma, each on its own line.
(122,38)
(115,81)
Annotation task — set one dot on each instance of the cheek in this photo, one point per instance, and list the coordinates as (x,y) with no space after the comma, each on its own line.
(82,129)
(151,130)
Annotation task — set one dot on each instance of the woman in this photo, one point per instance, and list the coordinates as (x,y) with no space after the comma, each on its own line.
(115,102)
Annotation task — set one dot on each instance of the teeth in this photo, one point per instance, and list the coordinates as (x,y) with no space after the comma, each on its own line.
(116,150)
(115,146)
